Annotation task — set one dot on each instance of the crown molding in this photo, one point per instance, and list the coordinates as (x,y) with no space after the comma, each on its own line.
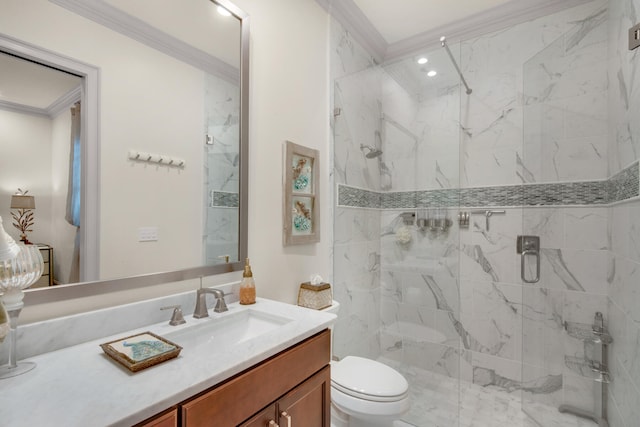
(64,102)
(499,17)
(136,29)
(53,110)
(353,20)
(23,109)
(496,18)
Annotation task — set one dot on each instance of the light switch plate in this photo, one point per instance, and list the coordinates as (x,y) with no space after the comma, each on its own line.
(147,234)
(634,37)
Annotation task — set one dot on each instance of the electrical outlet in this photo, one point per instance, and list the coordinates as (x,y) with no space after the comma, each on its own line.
(634,37)
(147,234)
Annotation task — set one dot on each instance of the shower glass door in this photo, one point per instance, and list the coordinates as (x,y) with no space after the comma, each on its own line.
(563,167)
(396,244)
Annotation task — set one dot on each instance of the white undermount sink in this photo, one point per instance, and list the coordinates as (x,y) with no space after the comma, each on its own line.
(222,330)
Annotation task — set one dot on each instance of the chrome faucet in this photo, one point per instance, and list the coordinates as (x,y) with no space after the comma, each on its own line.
(201,302)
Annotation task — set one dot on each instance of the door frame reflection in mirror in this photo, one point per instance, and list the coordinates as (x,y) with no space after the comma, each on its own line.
(90,192)
(90,286)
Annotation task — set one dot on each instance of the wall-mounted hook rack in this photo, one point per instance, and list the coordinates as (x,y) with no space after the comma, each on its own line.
(160,159)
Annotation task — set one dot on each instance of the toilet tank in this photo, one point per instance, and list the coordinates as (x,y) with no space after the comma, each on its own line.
(333,308)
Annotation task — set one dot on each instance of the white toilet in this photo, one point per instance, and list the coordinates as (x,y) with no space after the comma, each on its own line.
(365,393)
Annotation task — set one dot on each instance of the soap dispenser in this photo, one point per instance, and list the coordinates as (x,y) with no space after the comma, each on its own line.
(247,286)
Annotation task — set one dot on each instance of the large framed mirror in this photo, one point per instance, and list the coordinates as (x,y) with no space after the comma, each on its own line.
(162,88)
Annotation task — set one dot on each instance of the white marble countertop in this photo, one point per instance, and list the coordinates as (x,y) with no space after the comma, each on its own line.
(81,386)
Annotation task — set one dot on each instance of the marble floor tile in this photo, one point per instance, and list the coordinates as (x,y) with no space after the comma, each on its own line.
(439,401)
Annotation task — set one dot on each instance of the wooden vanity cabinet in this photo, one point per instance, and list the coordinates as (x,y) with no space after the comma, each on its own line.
(296,381)
(306,405)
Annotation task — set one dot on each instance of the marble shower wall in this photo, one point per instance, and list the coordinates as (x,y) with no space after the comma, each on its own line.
(624,219)
(537,114)
(565,139)
(221,168)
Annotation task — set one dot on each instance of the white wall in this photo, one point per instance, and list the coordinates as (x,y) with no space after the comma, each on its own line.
(289,101)
(25,152)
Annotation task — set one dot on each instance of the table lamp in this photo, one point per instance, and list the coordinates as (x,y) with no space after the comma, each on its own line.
(23,218)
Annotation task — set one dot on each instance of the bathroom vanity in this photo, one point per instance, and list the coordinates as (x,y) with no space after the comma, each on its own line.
(293,386)
(246,367)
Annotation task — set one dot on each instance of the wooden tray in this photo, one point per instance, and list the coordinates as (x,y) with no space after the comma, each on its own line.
(140,351)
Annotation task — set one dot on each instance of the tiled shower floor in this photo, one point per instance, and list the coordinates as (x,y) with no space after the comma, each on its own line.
(434,403)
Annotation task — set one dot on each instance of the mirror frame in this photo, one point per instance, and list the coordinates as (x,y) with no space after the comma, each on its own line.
(91,177)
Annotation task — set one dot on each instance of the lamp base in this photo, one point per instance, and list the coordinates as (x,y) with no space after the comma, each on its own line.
(13,371)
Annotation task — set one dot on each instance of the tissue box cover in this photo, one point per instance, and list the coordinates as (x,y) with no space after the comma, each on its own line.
(315,296)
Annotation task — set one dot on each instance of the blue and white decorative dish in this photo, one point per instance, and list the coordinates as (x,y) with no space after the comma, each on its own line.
(140,351)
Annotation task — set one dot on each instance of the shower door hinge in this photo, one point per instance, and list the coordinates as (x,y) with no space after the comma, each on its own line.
(634,37)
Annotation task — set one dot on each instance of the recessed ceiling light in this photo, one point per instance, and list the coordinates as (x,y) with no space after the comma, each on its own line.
(224,12)
(422,60)
(432,73)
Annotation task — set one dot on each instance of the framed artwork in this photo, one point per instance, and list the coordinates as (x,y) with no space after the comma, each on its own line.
(301,220)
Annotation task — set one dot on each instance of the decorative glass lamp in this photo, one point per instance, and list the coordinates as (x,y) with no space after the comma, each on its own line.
(20,266)
(23,219)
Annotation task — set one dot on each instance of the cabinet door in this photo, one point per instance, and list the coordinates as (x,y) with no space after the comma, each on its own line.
(168,419)
(309,404)
(262,418)
(234,401)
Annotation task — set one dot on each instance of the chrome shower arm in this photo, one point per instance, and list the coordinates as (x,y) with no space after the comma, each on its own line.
(443,42)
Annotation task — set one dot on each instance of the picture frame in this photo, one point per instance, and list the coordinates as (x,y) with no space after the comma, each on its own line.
(301,207)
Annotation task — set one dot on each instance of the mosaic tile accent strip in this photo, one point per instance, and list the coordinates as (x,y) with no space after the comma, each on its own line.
(223,199)
(411,199)
(512,195)
(358,198)
(567,193)
(624,185)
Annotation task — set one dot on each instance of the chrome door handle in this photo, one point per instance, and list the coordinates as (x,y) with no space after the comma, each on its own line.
(536,279)
(528,245)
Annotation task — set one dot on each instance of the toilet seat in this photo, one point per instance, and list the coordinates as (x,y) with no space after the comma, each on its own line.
(368,380)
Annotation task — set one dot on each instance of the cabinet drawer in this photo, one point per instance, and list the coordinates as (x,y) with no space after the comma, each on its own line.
(232,402)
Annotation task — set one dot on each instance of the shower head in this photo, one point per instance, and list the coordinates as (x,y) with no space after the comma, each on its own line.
(372,152)
(443,41)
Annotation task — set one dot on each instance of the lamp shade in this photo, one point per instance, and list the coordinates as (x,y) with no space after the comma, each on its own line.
(23,202)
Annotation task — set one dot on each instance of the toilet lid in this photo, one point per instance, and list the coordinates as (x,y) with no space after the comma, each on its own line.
(368,379)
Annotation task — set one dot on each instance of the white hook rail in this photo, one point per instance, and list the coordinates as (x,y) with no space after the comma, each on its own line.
(159,159)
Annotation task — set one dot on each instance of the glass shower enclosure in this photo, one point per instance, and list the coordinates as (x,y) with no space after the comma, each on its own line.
(434,186)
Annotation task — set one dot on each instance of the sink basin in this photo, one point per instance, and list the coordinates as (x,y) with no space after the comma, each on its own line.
(223,330)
